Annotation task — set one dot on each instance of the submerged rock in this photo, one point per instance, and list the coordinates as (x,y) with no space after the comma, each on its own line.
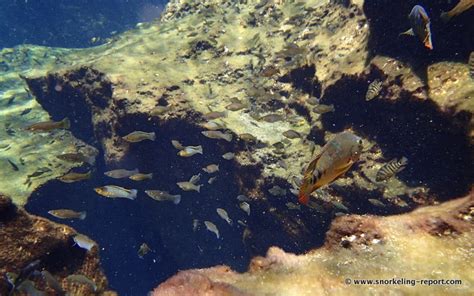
(26,238)
(402,248)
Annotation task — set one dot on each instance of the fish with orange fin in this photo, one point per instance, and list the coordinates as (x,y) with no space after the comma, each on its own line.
(420,26)
(335,158)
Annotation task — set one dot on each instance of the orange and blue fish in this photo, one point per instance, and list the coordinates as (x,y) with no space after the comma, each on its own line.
(420,26)
(335,159)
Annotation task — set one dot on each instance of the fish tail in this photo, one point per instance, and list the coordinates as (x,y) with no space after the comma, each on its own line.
(445,17)
(83,215)
(66,123)
(199,150)
(198,188)
(133,194)
(177,199)
(228,137)
(152,136)
(303,198)
(150,175)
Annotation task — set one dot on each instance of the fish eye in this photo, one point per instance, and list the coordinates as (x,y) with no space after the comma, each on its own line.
(360,142)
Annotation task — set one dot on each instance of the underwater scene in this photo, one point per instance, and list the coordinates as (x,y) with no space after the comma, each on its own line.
(237,147)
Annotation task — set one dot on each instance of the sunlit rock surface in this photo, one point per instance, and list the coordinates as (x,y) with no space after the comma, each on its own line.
(25,238)
(434,242)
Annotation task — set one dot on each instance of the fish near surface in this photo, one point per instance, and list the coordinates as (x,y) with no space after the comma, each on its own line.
(335,158)
(462,6)
(420,26)
(47,126)
(113,191)
(138,136)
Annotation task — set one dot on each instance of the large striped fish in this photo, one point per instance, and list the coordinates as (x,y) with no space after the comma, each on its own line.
(390,169)
(335,158)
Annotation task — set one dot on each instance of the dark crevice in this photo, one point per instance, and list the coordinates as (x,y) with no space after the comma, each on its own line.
(304,79)
(452,41)
(435,143)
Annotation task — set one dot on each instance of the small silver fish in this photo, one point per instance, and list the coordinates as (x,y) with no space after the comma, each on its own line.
(390,169)
(72,177)
(277,191)
(214,115)
(228,156)
(291,134)
(211,168)
(212,126)
(223,214)
(242,197)
(376,202)
(141,177)
(212,228)
(67,214)
(217,135)
(236,106)
(293,206)
(191,184)
(138,136)
(245,207)
(121,173)
(321,108)
(190,151)
(373,90)
(176,144)
(338,205)
(82,279)
(113,191)
(84,242)
(271,118)
(159,195)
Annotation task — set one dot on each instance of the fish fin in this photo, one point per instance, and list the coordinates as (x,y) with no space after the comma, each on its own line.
(66,123)
(445,17)
(133,194)
(408,32)
(83,215)
(177,199)
(199,149)
(198,188)
(427,42)
(303,197)
(153,136)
